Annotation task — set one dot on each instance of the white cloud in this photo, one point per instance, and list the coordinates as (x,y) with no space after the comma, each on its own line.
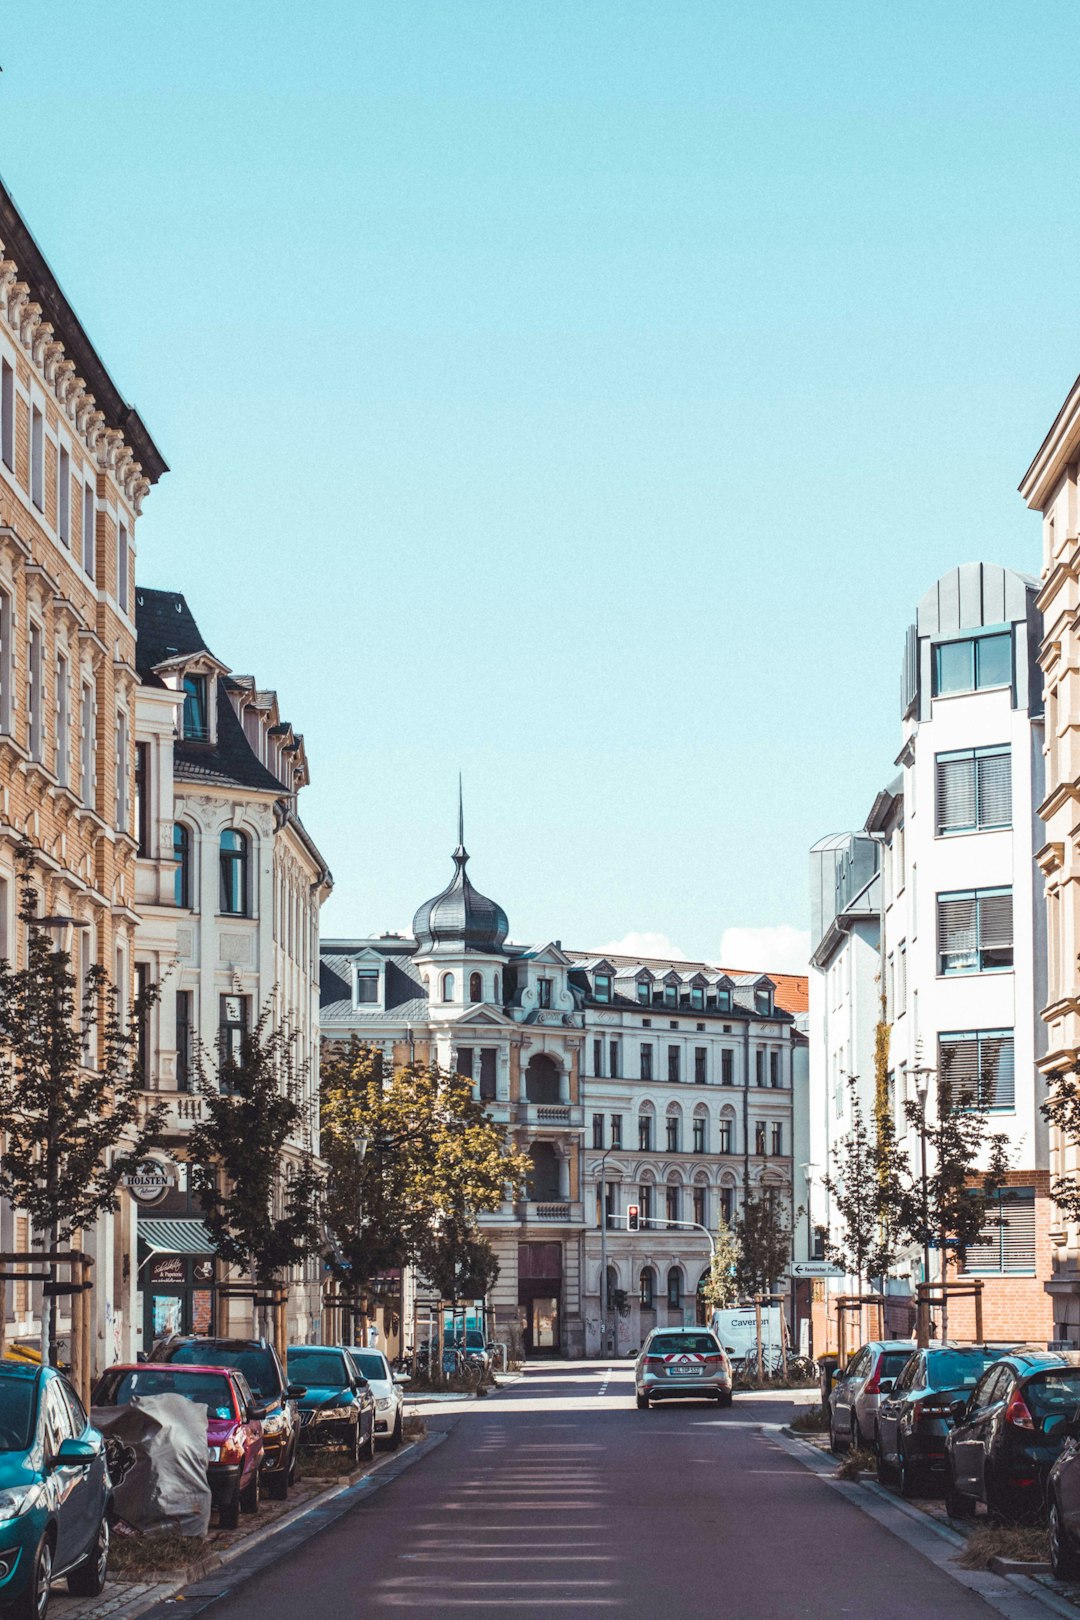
(643,945)
(757,950)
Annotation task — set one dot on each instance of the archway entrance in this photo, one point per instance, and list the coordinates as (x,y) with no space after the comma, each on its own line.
(540,1297)
(543,1079)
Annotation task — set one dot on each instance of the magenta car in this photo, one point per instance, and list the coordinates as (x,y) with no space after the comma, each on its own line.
(234,1437)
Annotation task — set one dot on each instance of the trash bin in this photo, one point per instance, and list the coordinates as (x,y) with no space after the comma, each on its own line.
(827,1367)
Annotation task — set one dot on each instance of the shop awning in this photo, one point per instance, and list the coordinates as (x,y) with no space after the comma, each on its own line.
(175,1237)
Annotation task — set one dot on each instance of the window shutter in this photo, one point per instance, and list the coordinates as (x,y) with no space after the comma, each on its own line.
(956,932)
(958,1068)
(995,921)
(997,1071)
(1018,1232)
(956,794)
(994,774)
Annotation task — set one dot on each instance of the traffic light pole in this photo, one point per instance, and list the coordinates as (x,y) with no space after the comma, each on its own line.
(694,1226)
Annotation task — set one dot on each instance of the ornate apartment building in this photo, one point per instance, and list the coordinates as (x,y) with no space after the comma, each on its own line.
(1050,488)
(229,888)
(75,465)
(668,1083)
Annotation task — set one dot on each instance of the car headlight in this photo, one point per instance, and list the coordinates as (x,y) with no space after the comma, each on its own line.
(384,1402)
(14,1503)
(336,1413)
(213,1453)
(275,1424)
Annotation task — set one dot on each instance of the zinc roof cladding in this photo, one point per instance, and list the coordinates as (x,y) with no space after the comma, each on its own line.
(165,628)
(792,989)
(404,996)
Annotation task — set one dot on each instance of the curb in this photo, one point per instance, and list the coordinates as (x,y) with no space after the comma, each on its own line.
(197,1572)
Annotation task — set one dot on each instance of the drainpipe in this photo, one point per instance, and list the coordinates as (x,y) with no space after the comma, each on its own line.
(746,1108)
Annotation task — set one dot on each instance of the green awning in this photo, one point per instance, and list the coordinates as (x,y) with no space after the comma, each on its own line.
(175,1236)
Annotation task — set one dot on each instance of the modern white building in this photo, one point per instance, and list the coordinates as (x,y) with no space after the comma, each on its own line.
(962,960)
(229,886)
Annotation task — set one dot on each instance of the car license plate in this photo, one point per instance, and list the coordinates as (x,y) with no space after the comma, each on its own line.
(687,1372)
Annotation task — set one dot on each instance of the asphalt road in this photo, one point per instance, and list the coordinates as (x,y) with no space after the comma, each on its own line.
(558,1498)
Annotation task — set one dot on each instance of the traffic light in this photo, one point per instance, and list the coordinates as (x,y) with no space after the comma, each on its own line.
(633,1218)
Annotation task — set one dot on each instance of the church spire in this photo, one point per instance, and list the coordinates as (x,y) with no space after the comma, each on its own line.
(460,854)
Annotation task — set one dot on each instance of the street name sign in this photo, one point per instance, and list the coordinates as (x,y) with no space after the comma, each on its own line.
(815,1268)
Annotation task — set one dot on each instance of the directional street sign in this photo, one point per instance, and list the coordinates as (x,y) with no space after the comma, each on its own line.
(815,1268)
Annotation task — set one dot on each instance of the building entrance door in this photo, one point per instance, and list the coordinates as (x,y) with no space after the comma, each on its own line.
(545,1325)
(540,1297)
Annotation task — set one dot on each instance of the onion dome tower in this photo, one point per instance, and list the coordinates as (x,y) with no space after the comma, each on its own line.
(460,921)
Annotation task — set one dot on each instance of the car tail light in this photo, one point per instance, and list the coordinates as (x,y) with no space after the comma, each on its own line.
(873,1387)
(1016,1413)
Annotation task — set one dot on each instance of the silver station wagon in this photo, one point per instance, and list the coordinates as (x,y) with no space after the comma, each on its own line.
(682,1364)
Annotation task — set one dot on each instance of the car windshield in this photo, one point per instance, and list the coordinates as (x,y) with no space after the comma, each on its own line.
(18,1403)
(256,1363)
(1053,1394)
(368,1364)
(208,1389)
(958,1369)
(891,1362)
(698,1344)
(325,1367)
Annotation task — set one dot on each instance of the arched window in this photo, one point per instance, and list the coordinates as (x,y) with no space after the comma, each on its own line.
(674,1287)
(701,1204)
(181,844)
(476,987)
(673,1201)
(498,989)
(234,873)
(612,1286)
(645,1130)
(448,987)
(701,1131)
(647,1289)
(674,1128)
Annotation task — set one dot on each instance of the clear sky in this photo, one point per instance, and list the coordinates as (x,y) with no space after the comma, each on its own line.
(577,394)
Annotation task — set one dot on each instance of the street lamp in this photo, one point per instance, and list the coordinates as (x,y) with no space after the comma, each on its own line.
(809,1170)
(603,1246)
(921,1073)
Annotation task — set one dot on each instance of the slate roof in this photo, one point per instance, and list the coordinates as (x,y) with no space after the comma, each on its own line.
(405,997)
(165,629)
(792,989)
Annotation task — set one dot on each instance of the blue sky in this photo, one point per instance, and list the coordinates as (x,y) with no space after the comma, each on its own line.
(577,394)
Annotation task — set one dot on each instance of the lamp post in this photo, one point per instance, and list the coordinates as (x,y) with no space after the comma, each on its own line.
(603,1248)
(809,1170)
(921,1073)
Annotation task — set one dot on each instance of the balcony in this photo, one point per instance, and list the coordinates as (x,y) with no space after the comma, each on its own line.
(551,1212)
(183,1109)
(551,1118)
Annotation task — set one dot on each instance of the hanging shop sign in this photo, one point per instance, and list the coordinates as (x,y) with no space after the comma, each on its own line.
(149,1183)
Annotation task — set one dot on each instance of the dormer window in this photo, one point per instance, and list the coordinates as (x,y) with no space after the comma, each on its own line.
(671,995)
(763,1002)
(697,996)
(367,987)
(543,992)
(723,1000)
(644,992)
(602,986)
(196,714)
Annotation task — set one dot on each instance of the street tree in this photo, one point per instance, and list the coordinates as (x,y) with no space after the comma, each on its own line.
(73,1113)
(1062,1110)
(865,1186)
(966,1168)
(721,1288)
(763,1234)
(251,1162)
(412,1158)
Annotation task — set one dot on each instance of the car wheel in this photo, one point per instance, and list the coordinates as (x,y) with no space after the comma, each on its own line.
(909,1479)
(354,1444)
(87,1579)
(277,1483)
(834,1445)
(1064,1560)
(251,1495)
(229,1514)
(369,1445)
(957,1505)
(855,1443)
(726,1397)
(397,1433)
(884,1471)
(33,1601)
(642,1402)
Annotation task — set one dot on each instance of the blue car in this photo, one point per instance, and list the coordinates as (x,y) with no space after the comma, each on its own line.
(55,1494)
(337,1405)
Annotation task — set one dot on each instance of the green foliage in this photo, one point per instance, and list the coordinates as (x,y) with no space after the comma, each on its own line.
(433,1160)
(1062,1109)
(253,1110)
(721,1286)
(763,1234)
(959,1195)
(866,1194)
(72,1109)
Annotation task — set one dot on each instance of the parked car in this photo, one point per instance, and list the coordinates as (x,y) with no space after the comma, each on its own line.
(234,1442)
(337,1406)
(688,1363)
(1010,1434)
(857,1392)
(472,1344)
(385,1386)
(915,1417)
(259,1363)
(55,1496)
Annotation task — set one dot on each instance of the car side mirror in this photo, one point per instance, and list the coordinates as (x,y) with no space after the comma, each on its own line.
(402,1378)
(886,1386)
(957,1410)
(76,1454)
(296,1392)
(256,1412)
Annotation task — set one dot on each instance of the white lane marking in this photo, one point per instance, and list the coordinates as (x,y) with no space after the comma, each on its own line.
(609,1374)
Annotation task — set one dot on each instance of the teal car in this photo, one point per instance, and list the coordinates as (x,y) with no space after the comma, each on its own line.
(337,1406)
(54,1492)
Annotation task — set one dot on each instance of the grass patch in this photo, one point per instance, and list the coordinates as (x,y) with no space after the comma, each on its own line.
(136,1555)
(856,1463)
(325,1462)
(1027,1544)
(811,1420)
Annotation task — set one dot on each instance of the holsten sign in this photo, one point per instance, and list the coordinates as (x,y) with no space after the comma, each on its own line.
(151,1181)
(815,1268)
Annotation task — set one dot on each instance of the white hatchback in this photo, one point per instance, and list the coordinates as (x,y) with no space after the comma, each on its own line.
(386,1388)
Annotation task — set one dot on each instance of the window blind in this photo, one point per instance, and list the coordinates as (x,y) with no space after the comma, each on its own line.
(994,788)
(975,931)
(1007,1243)
(974,789)
(980,1067)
